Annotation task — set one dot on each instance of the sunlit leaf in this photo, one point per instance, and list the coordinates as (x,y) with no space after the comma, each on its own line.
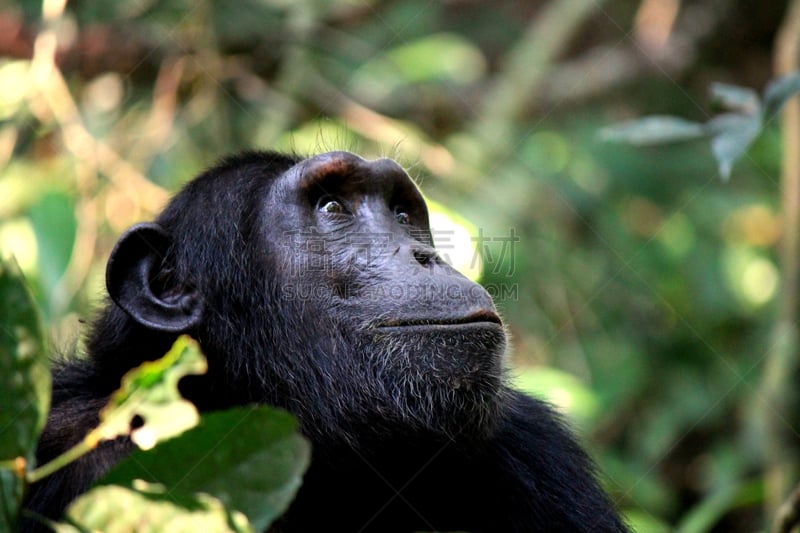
(440,57)
(657,129)
(735,98)
(443,56)
(14,85)
(318,135)
(150,391)
(778,92)
(563,390)
(643,522)
(251,458)
(149,508)
(24,386)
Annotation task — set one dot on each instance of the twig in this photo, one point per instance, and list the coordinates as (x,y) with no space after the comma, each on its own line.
(789,514)
(777,385)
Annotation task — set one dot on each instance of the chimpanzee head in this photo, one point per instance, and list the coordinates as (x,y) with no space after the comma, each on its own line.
(313,284)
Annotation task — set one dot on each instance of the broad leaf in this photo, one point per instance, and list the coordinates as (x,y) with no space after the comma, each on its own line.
(251,458)
(657,129)
(150,392)
(778,92)
(24,387)
(114,509)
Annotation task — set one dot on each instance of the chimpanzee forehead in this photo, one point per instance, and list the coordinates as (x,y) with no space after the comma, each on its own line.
(345,165)
(343,170)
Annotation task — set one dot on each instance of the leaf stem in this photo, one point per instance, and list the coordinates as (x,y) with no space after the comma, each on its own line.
(86,445)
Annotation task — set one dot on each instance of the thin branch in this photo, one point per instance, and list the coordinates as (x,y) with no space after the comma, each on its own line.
(789,514)
(778,386)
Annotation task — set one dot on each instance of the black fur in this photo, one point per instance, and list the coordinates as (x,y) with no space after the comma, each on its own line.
(392,362)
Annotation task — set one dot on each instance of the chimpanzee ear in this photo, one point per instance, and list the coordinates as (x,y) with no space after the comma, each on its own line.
(144,287)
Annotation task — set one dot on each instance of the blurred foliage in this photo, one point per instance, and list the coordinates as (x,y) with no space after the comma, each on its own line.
(115,509)
(250,458)
(731,133)
(635,271)
(24,388)
(189,473)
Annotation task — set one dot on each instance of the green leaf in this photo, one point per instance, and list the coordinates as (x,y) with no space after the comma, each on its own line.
(735,98)
(24,387)
(55,226)
(150,391)
(251,458)
(441,56)
(563,390)
(732,135)
(778,92)
(644,522)
(149,508)
(657,129)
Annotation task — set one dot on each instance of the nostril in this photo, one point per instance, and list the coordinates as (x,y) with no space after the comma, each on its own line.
(426,258)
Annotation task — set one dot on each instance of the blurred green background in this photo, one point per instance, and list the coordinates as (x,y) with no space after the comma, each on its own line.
(638,287)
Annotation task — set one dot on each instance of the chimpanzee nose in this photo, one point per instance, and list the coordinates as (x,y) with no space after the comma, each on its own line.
(425,256)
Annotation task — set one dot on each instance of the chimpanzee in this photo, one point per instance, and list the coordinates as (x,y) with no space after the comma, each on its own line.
(313,285)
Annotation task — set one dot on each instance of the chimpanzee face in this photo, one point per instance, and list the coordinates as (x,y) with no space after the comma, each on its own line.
(356,232)
(314,285)
(354,240)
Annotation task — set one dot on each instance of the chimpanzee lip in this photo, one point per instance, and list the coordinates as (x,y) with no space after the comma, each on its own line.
(481,317)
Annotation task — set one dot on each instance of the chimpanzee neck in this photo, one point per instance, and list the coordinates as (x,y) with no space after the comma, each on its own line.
(405,483)
(116,344)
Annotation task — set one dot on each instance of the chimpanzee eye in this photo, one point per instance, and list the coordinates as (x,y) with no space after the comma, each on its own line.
(401,216)
(328,204)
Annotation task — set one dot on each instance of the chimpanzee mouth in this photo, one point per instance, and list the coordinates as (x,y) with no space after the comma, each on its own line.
(482,318)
